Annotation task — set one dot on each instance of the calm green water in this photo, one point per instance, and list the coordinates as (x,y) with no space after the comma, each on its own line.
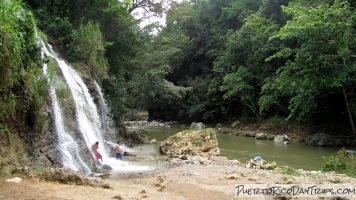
(298,155)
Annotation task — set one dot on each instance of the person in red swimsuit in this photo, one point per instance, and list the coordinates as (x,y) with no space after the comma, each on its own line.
(98,156)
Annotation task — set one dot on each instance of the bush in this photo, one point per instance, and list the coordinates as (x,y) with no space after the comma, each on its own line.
(22,81)
(278,121)
(88,47)
(341,162)
(289,171)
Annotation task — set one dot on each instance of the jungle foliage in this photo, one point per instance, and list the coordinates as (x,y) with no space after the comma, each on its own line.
(100,36)
(213,61)
(23,86)
(256,60)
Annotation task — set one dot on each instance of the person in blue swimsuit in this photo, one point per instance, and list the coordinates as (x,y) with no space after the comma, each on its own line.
(118,151)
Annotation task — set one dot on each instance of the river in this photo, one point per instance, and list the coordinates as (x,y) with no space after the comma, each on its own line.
(296,155)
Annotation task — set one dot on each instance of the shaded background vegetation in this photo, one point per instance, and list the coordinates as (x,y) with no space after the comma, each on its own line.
(278,60)
(284,61)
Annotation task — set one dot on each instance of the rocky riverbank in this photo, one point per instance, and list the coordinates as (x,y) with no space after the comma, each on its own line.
(196,172)
(262,131)
(217,180)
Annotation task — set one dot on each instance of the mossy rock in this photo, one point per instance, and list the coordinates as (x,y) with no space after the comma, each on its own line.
(191,142)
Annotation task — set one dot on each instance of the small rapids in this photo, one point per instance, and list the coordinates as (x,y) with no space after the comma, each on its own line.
(146,155)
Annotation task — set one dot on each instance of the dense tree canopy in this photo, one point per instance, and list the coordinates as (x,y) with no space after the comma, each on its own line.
(101,36)
(320,65)
(277,59)
(215,60)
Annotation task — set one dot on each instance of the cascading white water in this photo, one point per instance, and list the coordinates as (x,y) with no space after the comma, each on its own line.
(89,125)
(107,124)
(68,146)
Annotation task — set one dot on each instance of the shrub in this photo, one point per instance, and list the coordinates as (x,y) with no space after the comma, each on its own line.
(23,86)
(341,162)
(289,171)
(175,138)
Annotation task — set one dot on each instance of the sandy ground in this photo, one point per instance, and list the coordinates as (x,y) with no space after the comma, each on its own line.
(186,181)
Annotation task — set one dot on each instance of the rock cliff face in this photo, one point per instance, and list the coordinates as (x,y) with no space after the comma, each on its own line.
(35,144)
(24,145)
(201,143)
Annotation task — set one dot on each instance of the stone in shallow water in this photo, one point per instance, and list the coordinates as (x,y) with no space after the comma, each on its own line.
(107,167)
(197,126)
(350,151)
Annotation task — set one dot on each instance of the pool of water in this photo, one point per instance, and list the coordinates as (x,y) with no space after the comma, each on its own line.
(296,155)
(145,159)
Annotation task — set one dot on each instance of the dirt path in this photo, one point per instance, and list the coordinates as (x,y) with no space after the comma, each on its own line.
(187,181)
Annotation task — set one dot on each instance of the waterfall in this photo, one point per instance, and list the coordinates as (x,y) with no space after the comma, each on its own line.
(105,119)
(68,146)
(75,145)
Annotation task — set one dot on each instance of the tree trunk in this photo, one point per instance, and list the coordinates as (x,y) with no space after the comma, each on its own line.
(51,5)
(349,112)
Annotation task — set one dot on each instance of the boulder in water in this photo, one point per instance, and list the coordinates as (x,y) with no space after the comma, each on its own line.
(107,167)
(201,143)
(281,138)
(197,126)
(101,168)
(350,152)
(261,136)
(322,140)
(286,142)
